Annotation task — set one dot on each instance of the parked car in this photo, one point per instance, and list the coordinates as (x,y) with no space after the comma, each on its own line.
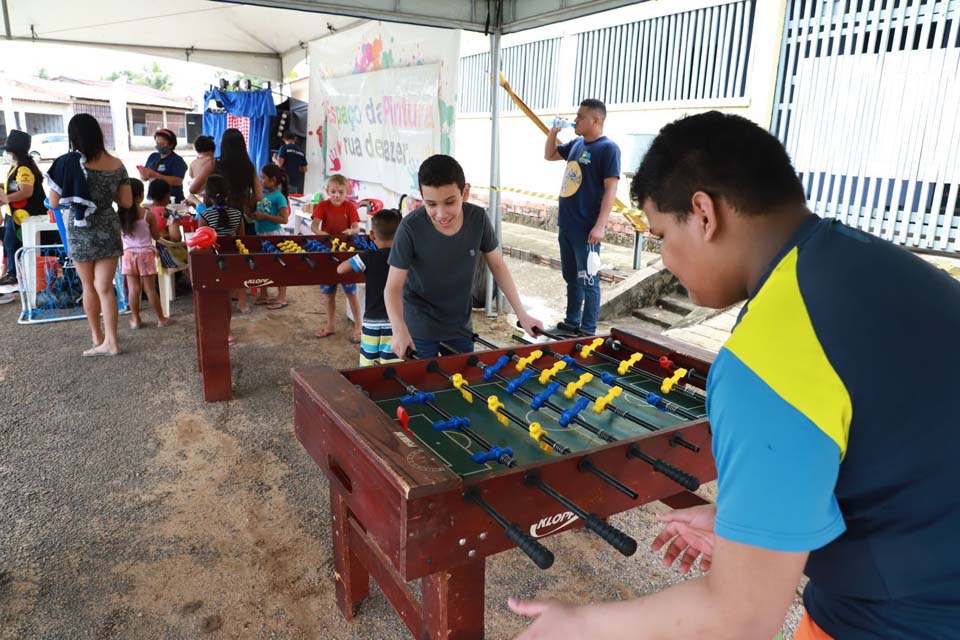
(49,146)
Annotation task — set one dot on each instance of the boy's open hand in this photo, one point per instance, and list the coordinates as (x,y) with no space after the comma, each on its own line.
(690,533)
(554,619)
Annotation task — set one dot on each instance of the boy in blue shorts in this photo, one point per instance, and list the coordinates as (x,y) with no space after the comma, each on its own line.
(377,334)
(831,460)
(435,253)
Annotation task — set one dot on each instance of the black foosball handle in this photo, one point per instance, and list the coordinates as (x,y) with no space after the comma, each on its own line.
(684,479)
(251,263)
(617,539)
(310,262)
(681,477)
(221,263)
(541,556)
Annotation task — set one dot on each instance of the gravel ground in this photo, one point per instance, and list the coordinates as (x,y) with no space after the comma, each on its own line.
(132,509)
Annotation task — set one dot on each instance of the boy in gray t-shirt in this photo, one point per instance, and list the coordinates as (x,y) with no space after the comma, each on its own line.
(434,256)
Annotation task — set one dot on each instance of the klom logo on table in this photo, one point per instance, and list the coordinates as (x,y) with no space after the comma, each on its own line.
(552,524)
(257,282)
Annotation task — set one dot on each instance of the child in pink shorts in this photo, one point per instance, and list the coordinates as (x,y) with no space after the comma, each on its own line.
(138,229)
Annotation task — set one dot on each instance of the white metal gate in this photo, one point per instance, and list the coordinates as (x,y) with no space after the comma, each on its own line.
(868,106)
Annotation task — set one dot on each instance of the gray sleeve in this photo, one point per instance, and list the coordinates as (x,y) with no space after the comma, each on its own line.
(401,253)
(488,241)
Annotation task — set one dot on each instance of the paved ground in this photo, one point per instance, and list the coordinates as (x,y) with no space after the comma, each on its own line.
(134,510)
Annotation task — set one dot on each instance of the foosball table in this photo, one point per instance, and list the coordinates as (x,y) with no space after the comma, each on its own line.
(433,465)
(249,262)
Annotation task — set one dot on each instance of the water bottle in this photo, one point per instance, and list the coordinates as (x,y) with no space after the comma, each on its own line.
(563,123)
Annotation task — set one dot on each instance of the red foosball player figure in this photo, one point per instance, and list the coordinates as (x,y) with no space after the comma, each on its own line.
(828,464)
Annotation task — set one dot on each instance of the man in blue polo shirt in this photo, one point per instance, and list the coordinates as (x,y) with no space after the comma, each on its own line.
(291,158)
(833,406)
(587,194)
(164,164)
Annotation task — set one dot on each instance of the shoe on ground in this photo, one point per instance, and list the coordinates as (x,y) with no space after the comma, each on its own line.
(7,298)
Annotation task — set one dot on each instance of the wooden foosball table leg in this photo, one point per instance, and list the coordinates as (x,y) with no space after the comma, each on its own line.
(352,579)
(453,602)
(212,312)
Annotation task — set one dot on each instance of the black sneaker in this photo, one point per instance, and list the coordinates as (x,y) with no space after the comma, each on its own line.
(8,279)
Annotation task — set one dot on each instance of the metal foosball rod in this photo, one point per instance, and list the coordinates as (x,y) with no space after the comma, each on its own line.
(666,384)
(616,538)
(599,403)
(496,407)
(503,455)
(663,361)
(566,417)
(684,479)
(609,379)
(541,556)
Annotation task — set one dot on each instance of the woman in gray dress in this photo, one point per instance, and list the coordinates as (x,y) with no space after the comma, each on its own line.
(95,244)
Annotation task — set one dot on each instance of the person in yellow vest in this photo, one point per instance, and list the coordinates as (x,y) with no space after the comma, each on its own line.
(22,197)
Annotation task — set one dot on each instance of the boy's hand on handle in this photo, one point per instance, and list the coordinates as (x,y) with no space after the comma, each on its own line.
(690,534)
(530,324)
(400,342)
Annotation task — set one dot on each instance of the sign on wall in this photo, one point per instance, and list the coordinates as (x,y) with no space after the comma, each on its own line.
(381,125)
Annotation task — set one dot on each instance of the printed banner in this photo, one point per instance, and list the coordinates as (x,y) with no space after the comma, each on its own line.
(381,125)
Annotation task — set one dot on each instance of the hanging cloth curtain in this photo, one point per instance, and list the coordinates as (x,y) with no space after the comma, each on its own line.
(257,106)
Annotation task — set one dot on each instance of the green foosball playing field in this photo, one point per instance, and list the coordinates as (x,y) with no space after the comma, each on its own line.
(456,448)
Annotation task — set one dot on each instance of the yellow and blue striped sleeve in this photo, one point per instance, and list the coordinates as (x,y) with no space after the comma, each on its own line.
(776,470)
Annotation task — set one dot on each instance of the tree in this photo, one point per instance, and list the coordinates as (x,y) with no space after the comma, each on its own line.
(42,74)
(151,76)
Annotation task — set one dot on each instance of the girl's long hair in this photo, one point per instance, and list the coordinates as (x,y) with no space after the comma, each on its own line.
(236,167)
(86,136)
(130,215)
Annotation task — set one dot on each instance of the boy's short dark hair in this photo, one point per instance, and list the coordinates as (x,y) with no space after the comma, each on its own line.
(385,223)
(289,135)
(203,144)
(724,155)
(440,170)
(158,190)
(595,105)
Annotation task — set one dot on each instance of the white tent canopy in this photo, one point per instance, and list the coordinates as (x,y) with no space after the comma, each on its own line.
(254,37)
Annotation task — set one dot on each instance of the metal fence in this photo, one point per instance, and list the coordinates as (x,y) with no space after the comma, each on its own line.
(694,55)
(866,104)
(530,68)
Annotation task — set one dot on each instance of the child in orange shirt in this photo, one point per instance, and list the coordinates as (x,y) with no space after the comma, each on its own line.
(336,216)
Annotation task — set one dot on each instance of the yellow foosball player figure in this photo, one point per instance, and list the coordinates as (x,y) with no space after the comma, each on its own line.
(828,464)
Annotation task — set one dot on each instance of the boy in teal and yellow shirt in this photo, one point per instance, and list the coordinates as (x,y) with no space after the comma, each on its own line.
(831,459)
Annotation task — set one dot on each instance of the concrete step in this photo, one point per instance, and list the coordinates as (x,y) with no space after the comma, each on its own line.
(676,302)
(658,316)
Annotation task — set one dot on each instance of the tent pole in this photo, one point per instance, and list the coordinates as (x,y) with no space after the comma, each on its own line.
(6,20)
(494,207)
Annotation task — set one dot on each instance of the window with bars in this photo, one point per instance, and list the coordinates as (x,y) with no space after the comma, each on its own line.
(695,55)
(103,116)
(530,68)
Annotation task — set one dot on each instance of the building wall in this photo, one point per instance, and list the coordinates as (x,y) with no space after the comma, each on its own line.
(603,56)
